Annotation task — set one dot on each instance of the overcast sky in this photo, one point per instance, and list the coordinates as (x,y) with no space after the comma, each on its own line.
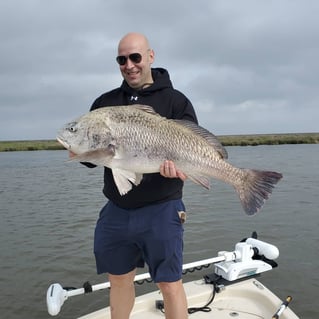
(247,66)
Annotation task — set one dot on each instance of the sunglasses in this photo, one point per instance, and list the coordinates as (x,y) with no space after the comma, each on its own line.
(134,57)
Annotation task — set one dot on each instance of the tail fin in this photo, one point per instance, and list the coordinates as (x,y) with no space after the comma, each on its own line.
(256,189)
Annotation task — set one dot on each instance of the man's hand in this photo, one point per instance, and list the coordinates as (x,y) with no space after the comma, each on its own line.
(168,169)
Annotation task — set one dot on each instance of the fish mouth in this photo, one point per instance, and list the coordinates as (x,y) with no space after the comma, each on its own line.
(64,143)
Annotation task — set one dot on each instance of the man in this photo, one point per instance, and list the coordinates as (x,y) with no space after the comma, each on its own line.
(144,225)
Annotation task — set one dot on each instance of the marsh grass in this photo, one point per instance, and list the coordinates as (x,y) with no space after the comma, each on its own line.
(269,139)
(32,145)
(226,140)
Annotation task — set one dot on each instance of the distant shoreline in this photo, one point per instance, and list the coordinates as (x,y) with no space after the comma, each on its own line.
(226,140)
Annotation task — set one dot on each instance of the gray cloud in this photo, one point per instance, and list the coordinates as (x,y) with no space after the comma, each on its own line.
(247,66)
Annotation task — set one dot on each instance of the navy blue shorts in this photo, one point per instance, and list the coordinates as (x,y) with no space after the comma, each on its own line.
(125,239)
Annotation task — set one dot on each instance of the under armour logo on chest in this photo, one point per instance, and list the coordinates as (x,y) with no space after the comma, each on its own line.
(134,98)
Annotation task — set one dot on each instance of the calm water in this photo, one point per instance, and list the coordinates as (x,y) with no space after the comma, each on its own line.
(48,210)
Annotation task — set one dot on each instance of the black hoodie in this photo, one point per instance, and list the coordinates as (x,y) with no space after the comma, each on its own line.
(169,103)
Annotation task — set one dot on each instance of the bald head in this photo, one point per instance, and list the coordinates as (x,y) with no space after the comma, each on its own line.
(133,41)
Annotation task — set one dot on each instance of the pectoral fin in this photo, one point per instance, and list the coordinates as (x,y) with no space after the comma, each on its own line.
(101,157)
(124,179)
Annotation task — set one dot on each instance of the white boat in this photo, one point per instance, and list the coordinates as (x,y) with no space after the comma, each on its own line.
(230,291)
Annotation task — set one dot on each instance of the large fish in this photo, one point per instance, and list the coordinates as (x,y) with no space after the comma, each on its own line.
(134,140)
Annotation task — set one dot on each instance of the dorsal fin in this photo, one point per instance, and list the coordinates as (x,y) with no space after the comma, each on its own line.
(208,136)
(145,108)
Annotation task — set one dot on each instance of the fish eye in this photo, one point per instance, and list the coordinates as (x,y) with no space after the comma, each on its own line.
(72,128)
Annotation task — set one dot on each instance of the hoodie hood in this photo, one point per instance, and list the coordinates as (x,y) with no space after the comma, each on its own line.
(161,81)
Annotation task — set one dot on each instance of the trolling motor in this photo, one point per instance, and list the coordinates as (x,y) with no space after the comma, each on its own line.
(250,257)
